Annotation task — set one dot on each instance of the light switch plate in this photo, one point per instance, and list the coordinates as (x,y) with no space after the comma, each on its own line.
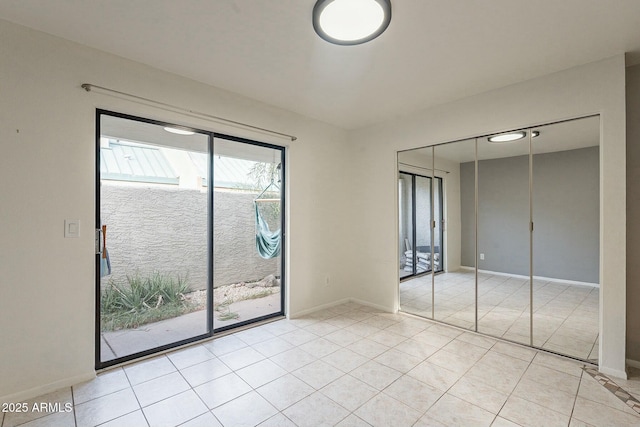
(72,228)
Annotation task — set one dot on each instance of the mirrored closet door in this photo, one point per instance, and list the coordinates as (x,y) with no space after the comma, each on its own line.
(503,237)
(566,237)
(515,230)
(454,284)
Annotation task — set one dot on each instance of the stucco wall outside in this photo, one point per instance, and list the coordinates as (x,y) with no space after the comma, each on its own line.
(161,228)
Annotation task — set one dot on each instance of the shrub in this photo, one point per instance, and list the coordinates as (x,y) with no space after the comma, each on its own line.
(142,300)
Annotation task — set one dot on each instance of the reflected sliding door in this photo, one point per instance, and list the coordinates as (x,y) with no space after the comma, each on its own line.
(416,213)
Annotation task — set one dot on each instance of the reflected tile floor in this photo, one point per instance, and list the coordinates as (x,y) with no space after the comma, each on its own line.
(565,317)
(349,365)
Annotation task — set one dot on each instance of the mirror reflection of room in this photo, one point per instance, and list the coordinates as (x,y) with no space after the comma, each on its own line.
(526,213)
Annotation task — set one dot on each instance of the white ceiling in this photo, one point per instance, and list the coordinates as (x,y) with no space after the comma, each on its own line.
(433,52)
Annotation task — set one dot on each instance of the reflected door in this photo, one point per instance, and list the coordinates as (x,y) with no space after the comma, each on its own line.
(415,214)
(405,223)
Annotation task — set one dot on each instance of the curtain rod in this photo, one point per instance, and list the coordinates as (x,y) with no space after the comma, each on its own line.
(89,87)
(420,167)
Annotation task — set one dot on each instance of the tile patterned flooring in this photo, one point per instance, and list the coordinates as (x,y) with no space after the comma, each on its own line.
(565,317)
(349,365)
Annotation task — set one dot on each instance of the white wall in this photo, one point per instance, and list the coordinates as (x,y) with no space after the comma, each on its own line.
(47,170)
(633,212)
(594,88)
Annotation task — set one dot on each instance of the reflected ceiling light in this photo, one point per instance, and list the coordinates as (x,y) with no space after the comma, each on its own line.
(178,131)
(507,137)
(350,22)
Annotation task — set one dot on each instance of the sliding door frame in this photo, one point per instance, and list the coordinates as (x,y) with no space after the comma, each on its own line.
(414,232)
(283,221)
(99,364)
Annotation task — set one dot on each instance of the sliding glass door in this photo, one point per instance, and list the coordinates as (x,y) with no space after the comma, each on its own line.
(416,215)
(189,235)
(406,224)
(153,221)
(248,186)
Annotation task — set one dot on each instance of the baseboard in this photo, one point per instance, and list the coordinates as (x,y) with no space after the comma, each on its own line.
(633,363)
(613,372)
(47,388)
(372,305)
(542,278)
(318,307)
(339,302)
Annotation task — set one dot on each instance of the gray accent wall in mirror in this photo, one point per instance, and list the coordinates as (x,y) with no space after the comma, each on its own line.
(566,237)
(515,227)
(503,239)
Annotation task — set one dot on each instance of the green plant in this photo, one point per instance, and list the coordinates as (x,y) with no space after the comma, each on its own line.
(143,300)
(224,311)
(259,294)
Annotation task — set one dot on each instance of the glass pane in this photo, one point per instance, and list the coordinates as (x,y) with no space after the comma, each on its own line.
(566,215)
(405,223)
(438,232)
(454,236)
(503,239)
(154,210)
(422,251)
(247,223)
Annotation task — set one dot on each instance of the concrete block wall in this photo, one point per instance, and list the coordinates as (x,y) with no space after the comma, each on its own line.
(161,228)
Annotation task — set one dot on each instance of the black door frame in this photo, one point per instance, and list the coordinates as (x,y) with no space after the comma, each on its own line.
(99,364)
(414,232)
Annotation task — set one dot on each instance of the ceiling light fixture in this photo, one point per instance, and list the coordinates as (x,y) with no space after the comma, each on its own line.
(534,133)
(351,22)
(178,131)
(508,137)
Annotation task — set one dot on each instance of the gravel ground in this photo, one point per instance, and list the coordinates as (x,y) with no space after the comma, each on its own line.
(232,293)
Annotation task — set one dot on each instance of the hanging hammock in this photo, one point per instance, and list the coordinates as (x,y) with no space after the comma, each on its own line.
(268,243)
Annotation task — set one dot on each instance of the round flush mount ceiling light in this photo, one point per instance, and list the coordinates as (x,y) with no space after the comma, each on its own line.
(512,136)
(351,22)
(178,131)
(507,137)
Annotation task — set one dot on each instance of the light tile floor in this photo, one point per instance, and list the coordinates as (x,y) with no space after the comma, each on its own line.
(565,317)
(350,365)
